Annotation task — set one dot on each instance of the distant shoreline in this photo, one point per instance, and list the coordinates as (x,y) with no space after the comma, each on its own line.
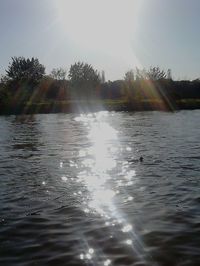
(95,106)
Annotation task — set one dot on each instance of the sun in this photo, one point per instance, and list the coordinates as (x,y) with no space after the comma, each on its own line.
(106,27)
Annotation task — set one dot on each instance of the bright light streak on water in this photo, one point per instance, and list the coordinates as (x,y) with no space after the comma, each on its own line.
(99,160)
(64,178)
(127,228)
(107,262)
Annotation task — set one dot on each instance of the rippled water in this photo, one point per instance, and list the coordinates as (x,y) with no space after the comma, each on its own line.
(73,192)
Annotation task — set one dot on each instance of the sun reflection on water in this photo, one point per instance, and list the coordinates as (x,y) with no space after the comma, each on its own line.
(98,163)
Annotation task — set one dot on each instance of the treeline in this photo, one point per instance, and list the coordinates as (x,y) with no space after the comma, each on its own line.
(26,88)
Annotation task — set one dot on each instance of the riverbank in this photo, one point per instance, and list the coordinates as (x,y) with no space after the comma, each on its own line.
(98,105)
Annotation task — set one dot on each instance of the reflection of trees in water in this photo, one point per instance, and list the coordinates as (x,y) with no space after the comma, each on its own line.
(26,134)
(21,167)
(25,154)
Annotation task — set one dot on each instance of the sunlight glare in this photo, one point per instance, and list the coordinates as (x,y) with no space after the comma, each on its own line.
(129,242)
(89,25)
(127,228)
(97,161)
(107,262)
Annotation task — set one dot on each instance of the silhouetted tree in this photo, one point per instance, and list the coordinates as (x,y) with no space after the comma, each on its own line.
(4,80)
(129,85)
(129,76)
(169,74)
(22,69)
(155,73)
(103,79)
(140,74)
(84,79)
(112,89)
(58,73)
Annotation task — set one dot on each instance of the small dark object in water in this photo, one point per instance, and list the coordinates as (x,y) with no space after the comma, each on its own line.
(141,159)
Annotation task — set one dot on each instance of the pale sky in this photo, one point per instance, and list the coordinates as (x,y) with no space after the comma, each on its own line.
(111,35)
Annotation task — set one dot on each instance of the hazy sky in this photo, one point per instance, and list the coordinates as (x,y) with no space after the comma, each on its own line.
(112,35)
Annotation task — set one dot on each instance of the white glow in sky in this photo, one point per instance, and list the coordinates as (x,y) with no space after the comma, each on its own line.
(105,27)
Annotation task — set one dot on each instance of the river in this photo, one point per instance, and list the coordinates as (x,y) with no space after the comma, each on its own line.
(73,191)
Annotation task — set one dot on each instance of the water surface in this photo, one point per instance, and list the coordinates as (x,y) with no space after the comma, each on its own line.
(74,193)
